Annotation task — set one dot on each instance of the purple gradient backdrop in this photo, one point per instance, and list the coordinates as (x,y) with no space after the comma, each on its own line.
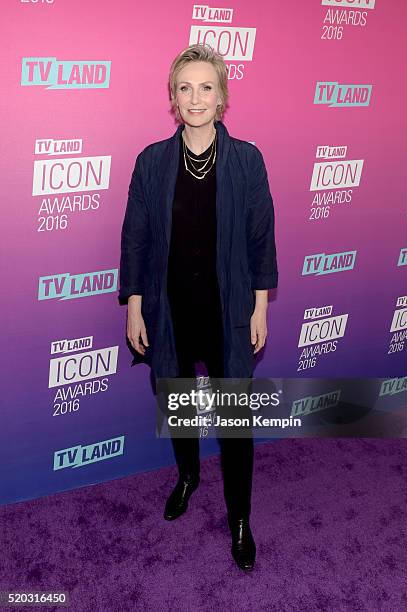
(272,106)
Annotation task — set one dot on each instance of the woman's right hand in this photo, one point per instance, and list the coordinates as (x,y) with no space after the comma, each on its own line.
(135,325)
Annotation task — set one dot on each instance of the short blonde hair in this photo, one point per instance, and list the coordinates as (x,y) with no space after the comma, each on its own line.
(200,53)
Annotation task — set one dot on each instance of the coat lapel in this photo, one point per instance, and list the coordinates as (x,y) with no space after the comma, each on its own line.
(221,204)
(168,172)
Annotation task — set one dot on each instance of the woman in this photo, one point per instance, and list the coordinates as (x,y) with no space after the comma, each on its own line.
(197,258)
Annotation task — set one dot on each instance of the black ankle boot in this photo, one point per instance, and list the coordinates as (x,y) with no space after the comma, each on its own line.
(177,503)
(243,545)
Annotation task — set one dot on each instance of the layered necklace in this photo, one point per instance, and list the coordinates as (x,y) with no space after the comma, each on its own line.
(199,173)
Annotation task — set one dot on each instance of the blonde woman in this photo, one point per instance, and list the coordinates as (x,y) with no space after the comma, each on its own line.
(198,256)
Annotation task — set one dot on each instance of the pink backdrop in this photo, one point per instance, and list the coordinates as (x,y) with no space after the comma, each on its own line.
(292,48)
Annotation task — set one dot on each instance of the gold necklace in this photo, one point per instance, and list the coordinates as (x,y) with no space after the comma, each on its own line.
(192,159)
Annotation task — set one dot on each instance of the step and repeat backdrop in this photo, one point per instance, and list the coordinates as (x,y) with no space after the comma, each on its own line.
(316,85)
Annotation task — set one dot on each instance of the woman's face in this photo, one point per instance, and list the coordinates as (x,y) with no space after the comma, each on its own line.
(197,90)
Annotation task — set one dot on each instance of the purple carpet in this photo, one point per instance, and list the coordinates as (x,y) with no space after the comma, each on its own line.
(329,520)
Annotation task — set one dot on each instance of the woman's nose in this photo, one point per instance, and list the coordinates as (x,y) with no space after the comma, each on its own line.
(195,96)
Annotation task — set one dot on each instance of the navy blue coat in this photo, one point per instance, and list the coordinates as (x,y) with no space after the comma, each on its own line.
(246,250)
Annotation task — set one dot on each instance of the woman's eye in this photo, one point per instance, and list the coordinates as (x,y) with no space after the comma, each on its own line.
(206,87)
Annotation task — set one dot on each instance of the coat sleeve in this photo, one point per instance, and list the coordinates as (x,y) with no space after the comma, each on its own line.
(260,227)
(135,238)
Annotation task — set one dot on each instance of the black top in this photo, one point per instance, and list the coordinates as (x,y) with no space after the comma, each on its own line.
(192,258)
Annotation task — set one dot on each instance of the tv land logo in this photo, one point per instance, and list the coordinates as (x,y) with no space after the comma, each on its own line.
(315,403)
(203,12)
(50,146)
(333,179)
(344,13)
(76,370)
(392,386)
(63,172)
(332,93)
(319,334)
(398,326)
(80,455)
(234,43)
(402,261)
(68,286)
(65,74)
(328,263)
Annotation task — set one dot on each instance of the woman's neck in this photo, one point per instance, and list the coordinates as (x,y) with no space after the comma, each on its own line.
(198,139)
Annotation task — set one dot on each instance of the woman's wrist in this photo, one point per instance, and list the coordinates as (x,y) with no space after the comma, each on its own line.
(134,302)
(261,300)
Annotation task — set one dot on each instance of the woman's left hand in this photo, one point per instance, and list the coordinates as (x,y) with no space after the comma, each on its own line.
(258,328)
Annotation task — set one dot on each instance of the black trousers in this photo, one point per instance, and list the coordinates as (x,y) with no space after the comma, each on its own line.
(199,337)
